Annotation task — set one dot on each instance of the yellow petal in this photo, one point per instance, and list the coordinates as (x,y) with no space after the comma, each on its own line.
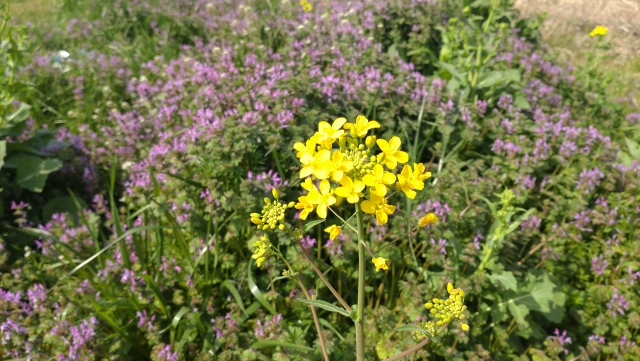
(325,186)
(358,186)
(338,123)
(388,178)
(369,180)
(395,143)
(381,218)
(427,219)
(368,207)
(322,210)
(402,157)
(384,146)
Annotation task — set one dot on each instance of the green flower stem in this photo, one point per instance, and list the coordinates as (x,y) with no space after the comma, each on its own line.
(325,280)
(414,348)
(361,268)
(313,309)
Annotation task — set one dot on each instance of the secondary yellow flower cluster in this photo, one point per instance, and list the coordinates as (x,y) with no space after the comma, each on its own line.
(306,7)
(599,30)
(351,172)
(272,214)
(450,309)
(428,326)
(262,250)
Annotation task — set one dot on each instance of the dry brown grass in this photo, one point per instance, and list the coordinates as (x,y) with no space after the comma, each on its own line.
(569,22)
(32,10)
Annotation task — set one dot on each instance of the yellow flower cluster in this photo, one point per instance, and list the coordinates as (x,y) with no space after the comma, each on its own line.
(351,172)
(599,30)
(262,250)
(306,7)
(450,309)
(272,214)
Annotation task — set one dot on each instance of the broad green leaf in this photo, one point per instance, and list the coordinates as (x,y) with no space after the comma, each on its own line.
(519,312)
(61,205)
(311,224)
(489,79)
(276,343)
(234,292)
(14,123)
(255,291)
(325,306)
(634,148)
(452,71)
(33,171)
(521,102)
(506,279)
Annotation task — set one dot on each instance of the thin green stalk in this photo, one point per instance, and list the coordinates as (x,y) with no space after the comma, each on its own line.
(313,309)
(361,269)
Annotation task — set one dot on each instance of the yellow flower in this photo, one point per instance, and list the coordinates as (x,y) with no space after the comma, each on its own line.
(305,205)
(323,198)
(380,263)
(327,134)
(361,126)
(465,327)
(308,185)
(341,165)
(599,30)
(350,190)
(334,231)
(319,165)
(429,218)
(391,154)
(378,206)
(306,7)
(378,180)
(309,147)
(409,180)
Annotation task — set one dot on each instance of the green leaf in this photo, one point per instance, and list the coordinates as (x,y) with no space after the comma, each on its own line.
(521,102)
(234,292)
(507,279)
(156,290)
(255,291)
(176,319)
(450,70)
(33,171)
(326,324)
(519,312)
(3,151)
(325,306)
(276,343)
(311,224)
(515,224)
(14,123)
(489,79)
(634,149)
(61,205)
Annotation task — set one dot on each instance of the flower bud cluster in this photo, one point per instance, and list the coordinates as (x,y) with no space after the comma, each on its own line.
(450,309)
(263,249)
(272,214)
(428,326)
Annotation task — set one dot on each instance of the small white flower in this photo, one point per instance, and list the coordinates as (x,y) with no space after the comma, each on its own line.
(63,54)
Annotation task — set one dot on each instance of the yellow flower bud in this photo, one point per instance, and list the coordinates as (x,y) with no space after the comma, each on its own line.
(275,193)
(428,305)
(281,227)
(370,141)
(465,327)
(291,204)
(429,218)
(267,200)
(449,287)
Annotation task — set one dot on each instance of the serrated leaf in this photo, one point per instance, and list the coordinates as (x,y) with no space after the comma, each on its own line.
(325,306)
(506,279)
(276,343)
(311,224)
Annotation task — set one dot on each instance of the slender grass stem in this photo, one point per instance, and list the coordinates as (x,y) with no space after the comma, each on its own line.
(360,337)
